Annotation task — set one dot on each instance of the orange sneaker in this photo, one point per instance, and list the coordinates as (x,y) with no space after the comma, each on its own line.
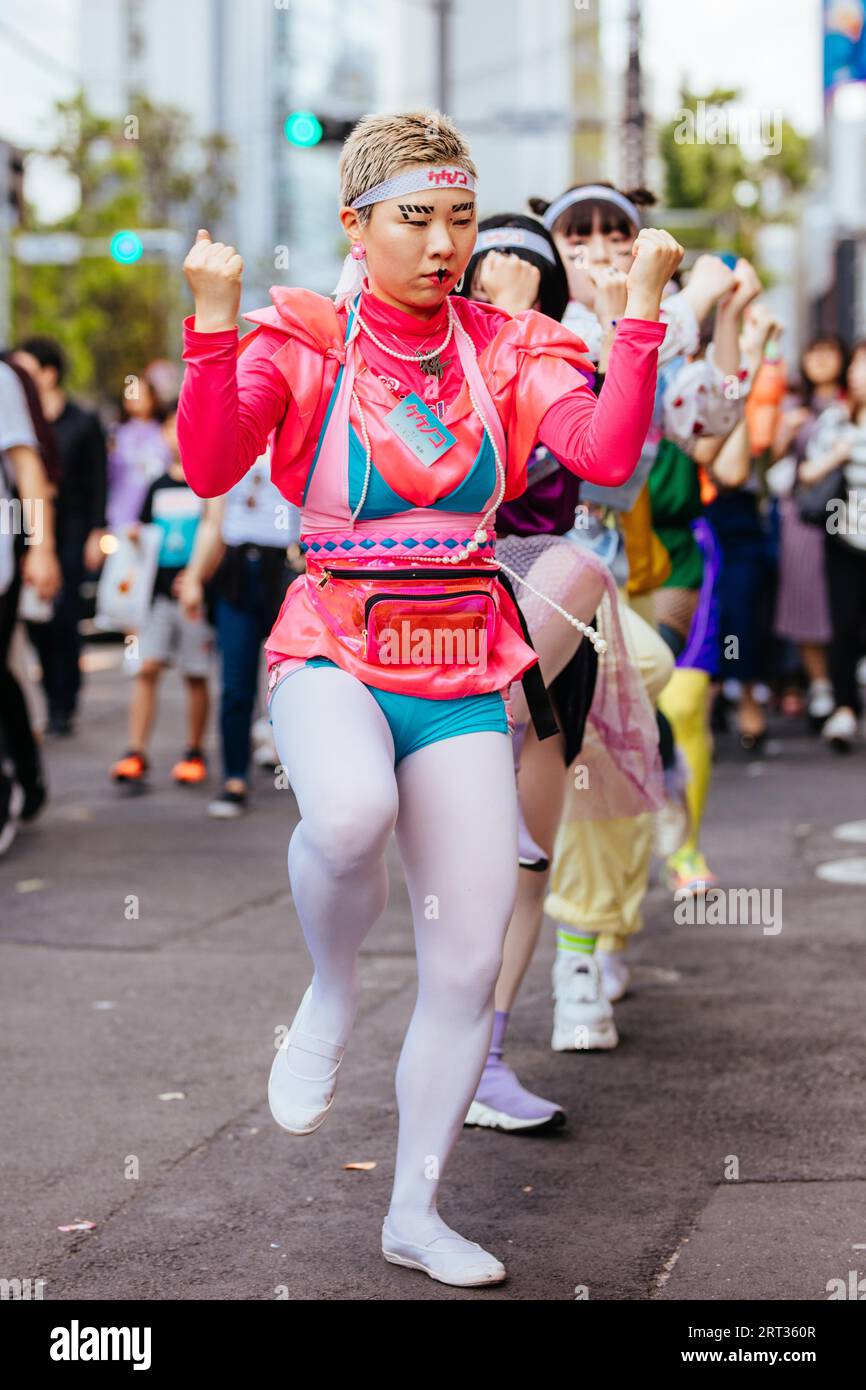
(191,769)
(132,767)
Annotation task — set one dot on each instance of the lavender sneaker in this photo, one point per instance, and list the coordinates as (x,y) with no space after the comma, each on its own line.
(502,1103)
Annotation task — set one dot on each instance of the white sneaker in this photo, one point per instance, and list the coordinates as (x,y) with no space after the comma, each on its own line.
(264,751)
(228,805)
(582,1015)
(819,704)
(450,1259)
(615,974)
(840,730)
(300,1103)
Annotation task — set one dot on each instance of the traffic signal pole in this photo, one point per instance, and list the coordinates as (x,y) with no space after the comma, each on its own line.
(443,12)
(635,116)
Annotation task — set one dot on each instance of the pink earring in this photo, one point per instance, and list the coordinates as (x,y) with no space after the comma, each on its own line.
(358,251)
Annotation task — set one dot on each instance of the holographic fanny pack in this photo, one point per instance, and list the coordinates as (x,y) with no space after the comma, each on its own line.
(410,617)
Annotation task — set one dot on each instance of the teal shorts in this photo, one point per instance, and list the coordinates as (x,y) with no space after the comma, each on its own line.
(415,721)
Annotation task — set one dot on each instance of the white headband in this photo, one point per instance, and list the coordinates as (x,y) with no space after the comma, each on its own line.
(514,236)
(582,195)
(422,179)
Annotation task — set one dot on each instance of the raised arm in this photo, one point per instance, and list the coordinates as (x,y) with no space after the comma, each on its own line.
(228,404)
(829,445)
(601,439)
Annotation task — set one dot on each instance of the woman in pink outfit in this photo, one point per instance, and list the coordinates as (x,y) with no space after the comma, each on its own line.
(399,419)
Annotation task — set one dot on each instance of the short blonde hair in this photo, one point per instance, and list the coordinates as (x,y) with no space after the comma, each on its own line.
(380,146)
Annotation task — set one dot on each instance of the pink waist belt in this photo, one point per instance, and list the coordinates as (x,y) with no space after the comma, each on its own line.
(397,615)
(389,544)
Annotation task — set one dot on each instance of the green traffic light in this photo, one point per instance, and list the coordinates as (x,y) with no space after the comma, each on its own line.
(126,247)
(303,128)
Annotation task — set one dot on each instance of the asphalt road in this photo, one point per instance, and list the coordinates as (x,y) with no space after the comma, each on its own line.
(717,1153)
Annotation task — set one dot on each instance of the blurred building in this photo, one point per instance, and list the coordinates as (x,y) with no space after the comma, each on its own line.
(838,220)
(524,80)
(240,68)
(833,253)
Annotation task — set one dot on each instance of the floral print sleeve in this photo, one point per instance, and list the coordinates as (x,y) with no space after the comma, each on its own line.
(699,400)
(683,336)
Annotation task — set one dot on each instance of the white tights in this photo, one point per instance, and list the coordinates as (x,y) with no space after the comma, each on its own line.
(453,806)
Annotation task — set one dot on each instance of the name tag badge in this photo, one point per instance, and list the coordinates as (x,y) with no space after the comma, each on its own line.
(414,422)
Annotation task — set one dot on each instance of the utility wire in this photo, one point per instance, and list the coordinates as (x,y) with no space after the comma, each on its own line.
(35,53)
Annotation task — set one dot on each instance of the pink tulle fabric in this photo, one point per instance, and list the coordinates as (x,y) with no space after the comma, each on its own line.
(618,771)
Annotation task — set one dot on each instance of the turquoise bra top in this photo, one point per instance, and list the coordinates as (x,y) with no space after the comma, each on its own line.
(470,495)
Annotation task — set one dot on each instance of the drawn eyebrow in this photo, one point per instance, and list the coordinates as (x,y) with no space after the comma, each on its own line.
(462,207)
(407,208)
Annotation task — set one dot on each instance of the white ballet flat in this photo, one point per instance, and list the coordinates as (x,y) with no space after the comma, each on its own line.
(467,1267)
(299,1103)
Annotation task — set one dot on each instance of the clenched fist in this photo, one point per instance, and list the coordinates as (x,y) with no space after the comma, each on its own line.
(656,257)
(759,325)
(214,272)
(746,288)
(611,293)
(510,282)
(710,279)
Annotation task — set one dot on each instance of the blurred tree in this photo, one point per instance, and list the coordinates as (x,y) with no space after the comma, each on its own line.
(186,182)
(139,171)
(709,169)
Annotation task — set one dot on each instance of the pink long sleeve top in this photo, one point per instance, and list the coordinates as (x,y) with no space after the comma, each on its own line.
(232,401)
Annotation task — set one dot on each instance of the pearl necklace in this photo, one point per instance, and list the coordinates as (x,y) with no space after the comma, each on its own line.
(481,534)
(434,358)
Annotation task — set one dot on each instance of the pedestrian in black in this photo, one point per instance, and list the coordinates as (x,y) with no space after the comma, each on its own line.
(27,556)
(80,522)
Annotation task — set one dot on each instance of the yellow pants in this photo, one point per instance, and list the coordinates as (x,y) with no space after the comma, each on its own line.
(600,868)
(653,656)
(599,877)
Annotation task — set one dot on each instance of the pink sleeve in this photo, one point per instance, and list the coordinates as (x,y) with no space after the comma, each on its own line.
(231,399)
(600,439)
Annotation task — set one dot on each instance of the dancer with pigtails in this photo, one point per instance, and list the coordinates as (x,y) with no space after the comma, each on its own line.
(517,266)
(602,858)
(393,408)
(603,851)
